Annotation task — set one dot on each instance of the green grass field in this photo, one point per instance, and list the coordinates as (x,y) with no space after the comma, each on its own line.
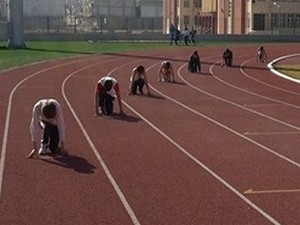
(39,51)
(291,70)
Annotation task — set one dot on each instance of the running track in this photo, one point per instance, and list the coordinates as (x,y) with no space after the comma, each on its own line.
(217,148)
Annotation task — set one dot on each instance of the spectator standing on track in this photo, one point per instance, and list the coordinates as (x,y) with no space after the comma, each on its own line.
(47,115)
(138,79)
(193,33)
(186,36)
(177,36)
(261,55)
(227,57)
(194,65)
(166,72)
(107,89)
(173,35)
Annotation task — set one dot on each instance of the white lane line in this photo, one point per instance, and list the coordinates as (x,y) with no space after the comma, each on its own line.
(270,66)
(122,197)
(94,149)
(262,105)
(243,65)
(230,129)
(203,166)
(194,159)
(274,191)
(253,93)
(270,133)
(236,104)
(109,175)
(8,114)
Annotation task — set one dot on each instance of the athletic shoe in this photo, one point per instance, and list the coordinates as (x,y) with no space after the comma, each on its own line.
(44,150)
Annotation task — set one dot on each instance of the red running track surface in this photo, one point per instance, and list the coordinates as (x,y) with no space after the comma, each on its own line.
(221,147)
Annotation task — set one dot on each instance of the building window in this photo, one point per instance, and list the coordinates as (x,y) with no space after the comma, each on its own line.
(259,21)
(297,20)
(186,20)
(282,20)
(289,20)
(197,20)
(198,3)
(275,20)
(186,3)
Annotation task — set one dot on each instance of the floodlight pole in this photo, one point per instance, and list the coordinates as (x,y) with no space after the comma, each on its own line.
(15,24)
(279,16)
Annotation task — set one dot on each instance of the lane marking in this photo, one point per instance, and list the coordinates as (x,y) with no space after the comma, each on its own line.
(262,82)
(276,72)
(107,172)
(206,168)
(233,103)
(255,192)
(262,105)
(253,93)
(198,162)
(94,149)
(270,133)
(228,128)
(8,114)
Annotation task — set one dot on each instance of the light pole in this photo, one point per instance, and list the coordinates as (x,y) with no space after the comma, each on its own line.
(279,15)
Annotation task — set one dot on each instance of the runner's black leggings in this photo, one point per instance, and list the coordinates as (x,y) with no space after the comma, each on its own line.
(138,84)
(106,102)
(50,135)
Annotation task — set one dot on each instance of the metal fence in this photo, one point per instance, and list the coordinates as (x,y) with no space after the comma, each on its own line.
(102,24)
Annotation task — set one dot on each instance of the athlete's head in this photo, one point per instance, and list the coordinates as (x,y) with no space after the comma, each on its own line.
(108,85)
(49,110)
(140,69)
(167,65)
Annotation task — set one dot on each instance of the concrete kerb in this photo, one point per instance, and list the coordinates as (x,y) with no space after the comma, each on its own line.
(276,72)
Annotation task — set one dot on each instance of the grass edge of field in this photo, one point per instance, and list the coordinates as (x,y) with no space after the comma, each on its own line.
(289,70)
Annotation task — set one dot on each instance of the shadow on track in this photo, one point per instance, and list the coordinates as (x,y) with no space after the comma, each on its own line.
(58,51)
(76,163)
(116,116)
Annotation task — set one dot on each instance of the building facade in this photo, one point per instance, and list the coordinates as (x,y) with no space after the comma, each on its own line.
(233,16)
(276,17)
